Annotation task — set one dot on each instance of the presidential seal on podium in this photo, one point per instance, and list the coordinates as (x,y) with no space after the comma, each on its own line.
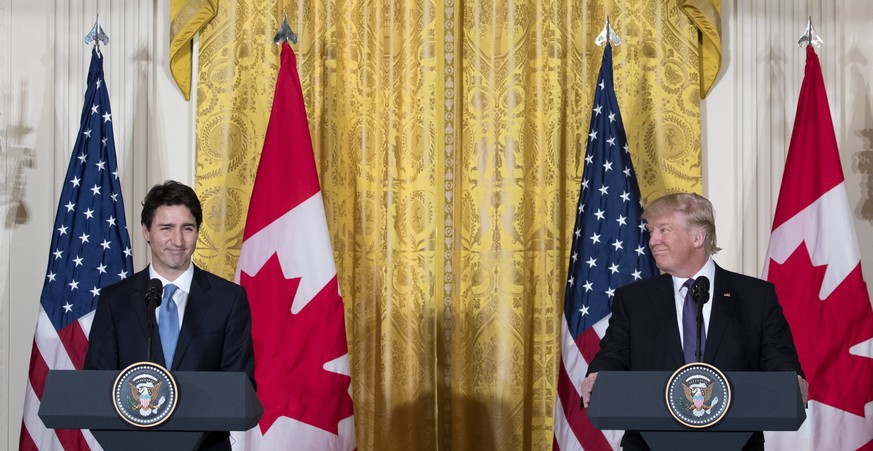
(145,394)
(698,395)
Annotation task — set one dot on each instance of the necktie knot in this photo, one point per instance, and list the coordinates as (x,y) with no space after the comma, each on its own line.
(169,291)
(169,324)
(688,285)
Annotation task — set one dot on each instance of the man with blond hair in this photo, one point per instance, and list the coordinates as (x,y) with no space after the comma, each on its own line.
(652,327)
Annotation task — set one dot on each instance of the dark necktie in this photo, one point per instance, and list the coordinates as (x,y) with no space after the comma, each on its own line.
(689,326)
(169,324)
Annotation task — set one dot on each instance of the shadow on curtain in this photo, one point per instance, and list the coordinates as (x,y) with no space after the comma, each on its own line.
(448,136)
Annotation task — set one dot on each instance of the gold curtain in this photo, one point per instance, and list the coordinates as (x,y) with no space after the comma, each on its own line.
(187,18)
(448,135)
(706,16)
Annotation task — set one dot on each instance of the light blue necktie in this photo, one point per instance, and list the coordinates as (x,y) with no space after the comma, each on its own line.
(169,324)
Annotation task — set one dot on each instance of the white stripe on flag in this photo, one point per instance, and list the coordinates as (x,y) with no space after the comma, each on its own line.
(44,438)
(85,322)
(601,326)
(49,344)
(92,442)
(574,362)
(565,437)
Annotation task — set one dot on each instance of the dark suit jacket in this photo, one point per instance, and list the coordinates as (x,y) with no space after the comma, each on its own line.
(747,331)
(216,332)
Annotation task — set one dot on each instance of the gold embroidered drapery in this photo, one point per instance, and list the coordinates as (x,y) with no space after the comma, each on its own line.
(187,18)
(448,136)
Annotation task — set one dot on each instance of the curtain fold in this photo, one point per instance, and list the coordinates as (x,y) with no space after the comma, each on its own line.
(706,16)
(448,136)
(238,63)
(187,18)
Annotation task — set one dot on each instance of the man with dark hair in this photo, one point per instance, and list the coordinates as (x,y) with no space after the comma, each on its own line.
(743,324)
(209,316)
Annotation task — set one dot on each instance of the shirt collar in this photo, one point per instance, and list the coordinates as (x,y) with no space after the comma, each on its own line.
(708,270)
(183,282)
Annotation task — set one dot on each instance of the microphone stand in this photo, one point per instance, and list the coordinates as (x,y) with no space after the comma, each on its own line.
(699,329)
(700,295)
(154,301)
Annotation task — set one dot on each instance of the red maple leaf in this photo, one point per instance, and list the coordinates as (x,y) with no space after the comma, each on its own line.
(824,330)
(291,350)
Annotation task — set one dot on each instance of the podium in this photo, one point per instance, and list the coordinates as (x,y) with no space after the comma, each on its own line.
(208,401)
(636,401)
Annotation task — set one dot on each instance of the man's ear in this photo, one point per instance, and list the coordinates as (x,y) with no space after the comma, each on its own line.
(145,233)
(698,238)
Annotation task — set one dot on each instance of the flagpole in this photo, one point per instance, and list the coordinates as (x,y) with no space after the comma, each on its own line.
(90,249)
(285,34)
(809,36)
(813,239)
(609,249)
(607,35)
(96,35)
(287,267)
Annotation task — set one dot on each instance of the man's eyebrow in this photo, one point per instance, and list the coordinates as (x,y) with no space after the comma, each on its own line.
(184,224)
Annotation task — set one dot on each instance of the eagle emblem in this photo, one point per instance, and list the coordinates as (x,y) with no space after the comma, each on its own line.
(145,392)
(699,394)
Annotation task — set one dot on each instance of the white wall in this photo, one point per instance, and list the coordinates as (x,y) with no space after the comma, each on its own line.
(747,125)
(749,116)
(43,66)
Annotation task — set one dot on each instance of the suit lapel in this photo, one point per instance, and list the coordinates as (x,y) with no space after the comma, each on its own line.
(138,301)
(665,310)
(141,310)
(723,305)
(195,311)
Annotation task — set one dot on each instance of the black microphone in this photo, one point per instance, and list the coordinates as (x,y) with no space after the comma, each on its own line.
(154,295)
(700,294)
(700,290)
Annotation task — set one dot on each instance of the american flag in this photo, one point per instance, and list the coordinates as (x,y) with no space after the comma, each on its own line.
(610,249)
(90,249)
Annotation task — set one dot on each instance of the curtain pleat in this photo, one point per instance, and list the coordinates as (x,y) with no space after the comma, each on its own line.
(448,136)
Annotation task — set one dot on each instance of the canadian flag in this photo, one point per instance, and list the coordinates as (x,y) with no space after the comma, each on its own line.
(286,265)
(815,264)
